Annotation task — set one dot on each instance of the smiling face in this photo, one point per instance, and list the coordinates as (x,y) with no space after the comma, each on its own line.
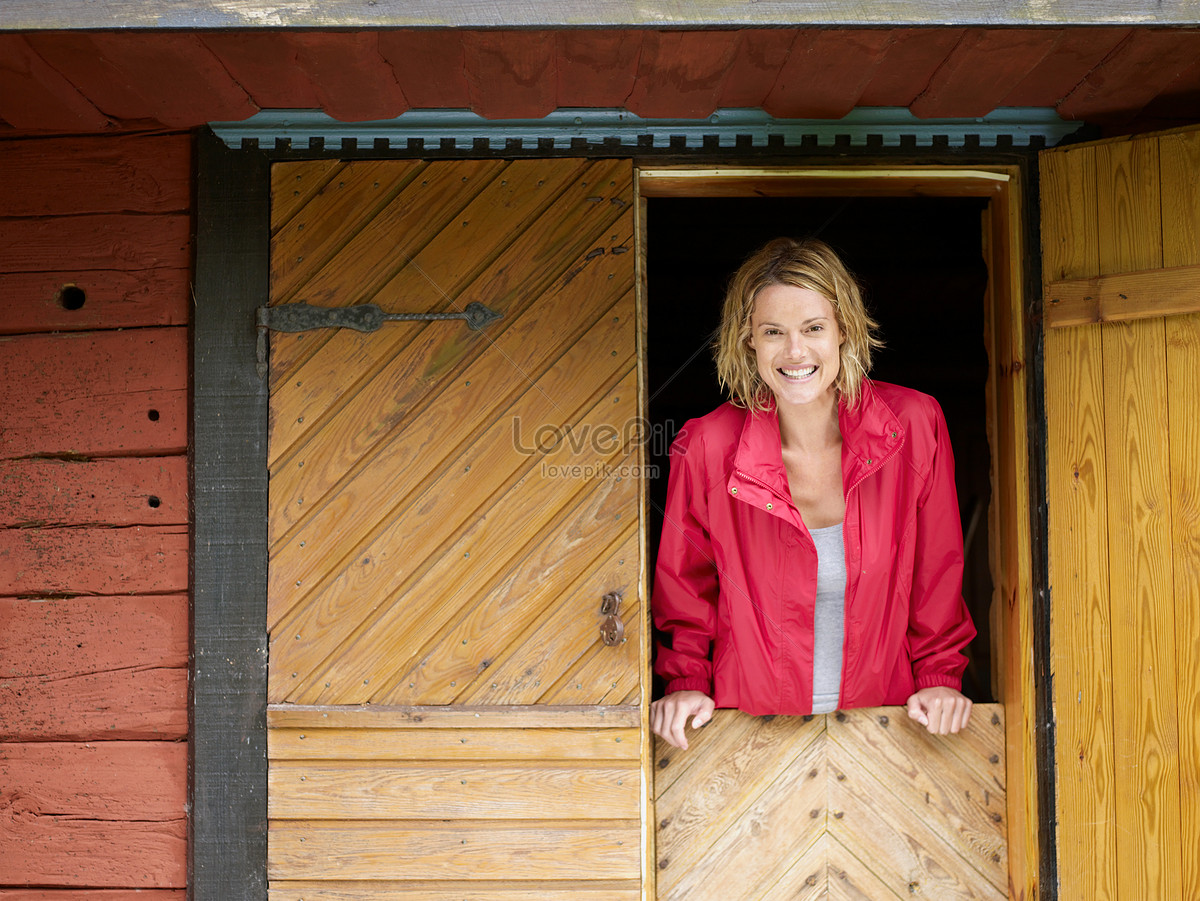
(797,344)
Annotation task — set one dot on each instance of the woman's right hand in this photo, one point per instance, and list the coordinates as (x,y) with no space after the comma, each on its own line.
(668,715)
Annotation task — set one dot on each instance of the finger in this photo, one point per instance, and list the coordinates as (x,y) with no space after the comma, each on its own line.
(916,712)
(678,726)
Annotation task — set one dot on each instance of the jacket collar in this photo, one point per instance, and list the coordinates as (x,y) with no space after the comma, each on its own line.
(871,434)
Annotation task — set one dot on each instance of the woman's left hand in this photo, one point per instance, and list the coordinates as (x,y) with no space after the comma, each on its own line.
(941,710)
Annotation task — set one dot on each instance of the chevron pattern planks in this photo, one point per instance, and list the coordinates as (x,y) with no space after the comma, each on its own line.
(861,804)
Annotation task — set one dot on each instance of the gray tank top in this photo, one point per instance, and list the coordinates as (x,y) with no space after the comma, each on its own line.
(829,623)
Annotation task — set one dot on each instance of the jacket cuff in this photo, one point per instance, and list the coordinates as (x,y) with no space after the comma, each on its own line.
(939,680)
(690,683)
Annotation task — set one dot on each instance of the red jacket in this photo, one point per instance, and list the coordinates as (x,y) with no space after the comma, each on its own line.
(735,586)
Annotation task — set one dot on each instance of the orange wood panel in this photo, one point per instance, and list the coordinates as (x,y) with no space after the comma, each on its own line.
(122,241)
(106,814)
(94,393)
(79,668)
(1179,156)
(118,173)
(1143,639)
(1147,294)
(511,74)
(137,559)
(825,73)
(680,73)
(1077,501)
(121,492)
(458,743)
(68,300)
(449,890)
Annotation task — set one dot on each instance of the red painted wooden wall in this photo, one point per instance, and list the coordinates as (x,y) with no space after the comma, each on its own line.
(95,255)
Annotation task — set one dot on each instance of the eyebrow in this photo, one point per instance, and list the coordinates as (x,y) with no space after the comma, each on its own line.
(805,322)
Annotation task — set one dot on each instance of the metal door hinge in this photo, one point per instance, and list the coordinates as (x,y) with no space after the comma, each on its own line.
(612,632)
(363,317)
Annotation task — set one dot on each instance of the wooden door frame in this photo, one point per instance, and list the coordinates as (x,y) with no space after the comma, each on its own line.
(227,838)
(1015,504)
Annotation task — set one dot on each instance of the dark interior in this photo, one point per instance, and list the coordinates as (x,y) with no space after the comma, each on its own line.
(924,279)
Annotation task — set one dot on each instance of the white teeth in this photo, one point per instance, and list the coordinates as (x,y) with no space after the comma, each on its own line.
(799,373)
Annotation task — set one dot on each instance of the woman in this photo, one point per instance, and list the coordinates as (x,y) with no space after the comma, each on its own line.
(811,555)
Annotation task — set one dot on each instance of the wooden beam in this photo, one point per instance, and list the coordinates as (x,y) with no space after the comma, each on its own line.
(31,15)
(1123,296)
(228,840)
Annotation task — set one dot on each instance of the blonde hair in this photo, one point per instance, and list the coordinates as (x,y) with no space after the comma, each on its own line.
(810,264)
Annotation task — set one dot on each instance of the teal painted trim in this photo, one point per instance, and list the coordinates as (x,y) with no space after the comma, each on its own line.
(566,128)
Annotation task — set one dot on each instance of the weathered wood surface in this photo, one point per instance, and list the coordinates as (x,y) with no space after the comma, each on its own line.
(91,894)
(105,814)
(130,560)
(458,716)
(85,299)
(124,241)
(769,55)
(27,14)
(1179,160)
(1122,524)
(94,393)
(122,173)
(146,491)
(76,668)
(772,808)
(473,890)
(1123,296)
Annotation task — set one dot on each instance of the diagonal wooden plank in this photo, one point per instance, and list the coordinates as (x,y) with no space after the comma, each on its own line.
(404,368)
(604,675)
(747,856)
(294,183)
(930,781)
(428,205)
(805,880)
(384,645)
(530,663)
(905,852)
(849,879)
(517,391)
(407,546)
(494,610)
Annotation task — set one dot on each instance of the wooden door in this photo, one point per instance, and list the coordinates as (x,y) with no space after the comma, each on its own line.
(448,509)
(1121,260)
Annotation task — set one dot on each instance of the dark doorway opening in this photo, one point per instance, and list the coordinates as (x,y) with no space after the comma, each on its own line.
(924,275)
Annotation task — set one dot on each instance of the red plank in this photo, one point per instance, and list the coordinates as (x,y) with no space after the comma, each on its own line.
(265,65)
(682,73)
(94,393)
(103,814)
(124,491)
(74,300)
(1179,101)
(596,68)
(511,74)
(430,67)
(95,241)
(1132,75)
(1077,52)
(982,70)
(162,76)
(117,173)
(755,65)
(34,96)
(36,562)
(91,894)
(908,64)
(826,72)
(353,81)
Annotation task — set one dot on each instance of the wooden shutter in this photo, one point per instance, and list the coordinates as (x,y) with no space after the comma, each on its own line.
(1121,248)
(448,508)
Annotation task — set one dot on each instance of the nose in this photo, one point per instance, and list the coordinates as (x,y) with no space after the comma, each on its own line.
(796,343)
